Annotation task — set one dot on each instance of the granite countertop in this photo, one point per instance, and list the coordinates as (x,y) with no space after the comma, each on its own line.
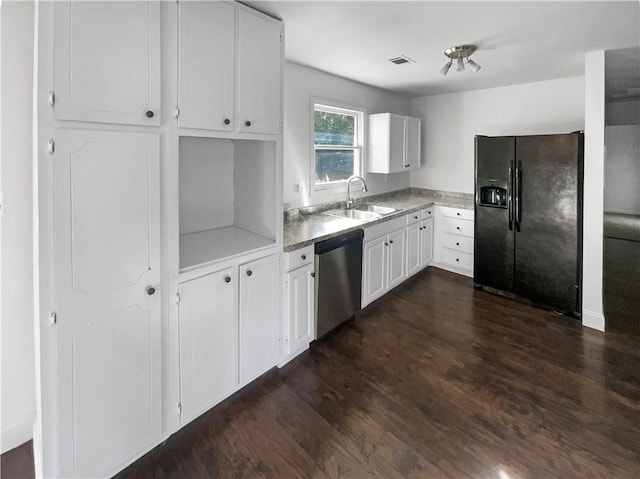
(308,229)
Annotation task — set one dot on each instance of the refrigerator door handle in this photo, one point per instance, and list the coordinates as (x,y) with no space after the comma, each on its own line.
(510,200)
(518,194)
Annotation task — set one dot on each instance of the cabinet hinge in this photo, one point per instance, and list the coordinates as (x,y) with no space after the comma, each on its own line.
(52,99)
(178,298)
(177,112)
(179,409)
(53,318)
(52,146)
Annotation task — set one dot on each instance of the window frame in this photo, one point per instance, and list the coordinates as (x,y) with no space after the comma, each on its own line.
(360,114)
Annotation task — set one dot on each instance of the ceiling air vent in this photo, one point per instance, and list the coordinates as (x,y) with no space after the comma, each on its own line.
(401,60)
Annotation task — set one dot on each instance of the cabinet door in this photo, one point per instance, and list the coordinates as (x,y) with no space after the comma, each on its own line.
(208,342)
(397,151)
(107,260)
(412,160)
(374,271)
(300,308)
(426,242)
(414,238)
(259,322)
(106,64)
(259,72)
(205,65)
(396,258)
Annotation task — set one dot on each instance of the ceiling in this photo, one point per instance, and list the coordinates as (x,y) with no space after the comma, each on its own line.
(518,42)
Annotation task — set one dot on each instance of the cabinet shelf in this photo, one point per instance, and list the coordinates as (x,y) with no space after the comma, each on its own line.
(197,249)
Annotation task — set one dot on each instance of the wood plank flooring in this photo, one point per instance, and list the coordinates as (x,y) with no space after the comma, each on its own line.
(434,380)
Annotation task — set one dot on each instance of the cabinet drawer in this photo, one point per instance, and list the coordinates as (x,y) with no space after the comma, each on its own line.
(457,242)
(457,258)
(297,258)
(457,226)
(457,213)
(413,217)
(427,213)
(384,228)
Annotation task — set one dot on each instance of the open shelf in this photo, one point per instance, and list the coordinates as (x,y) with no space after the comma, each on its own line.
(211,245)
(227,198)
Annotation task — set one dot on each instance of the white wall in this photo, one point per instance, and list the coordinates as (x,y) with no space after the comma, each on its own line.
(18,373)
(451,121)
(622,169)
(592,313)
(301,84)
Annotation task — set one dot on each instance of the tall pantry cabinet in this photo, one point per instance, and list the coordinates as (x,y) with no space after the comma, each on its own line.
(159,223)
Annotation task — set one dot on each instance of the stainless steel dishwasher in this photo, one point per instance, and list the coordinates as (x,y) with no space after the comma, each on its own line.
(338,280)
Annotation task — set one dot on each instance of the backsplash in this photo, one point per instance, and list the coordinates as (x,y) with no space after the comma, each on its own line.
(295,213)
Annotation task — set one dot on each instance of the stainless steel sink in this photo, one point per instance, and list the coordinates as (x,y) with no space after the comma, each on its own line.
(379,210)
(353,214)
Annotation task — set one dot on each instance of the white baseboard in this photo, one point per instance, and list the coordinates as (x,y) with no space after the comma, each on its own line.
(593,320)
(453,269)
(17,433)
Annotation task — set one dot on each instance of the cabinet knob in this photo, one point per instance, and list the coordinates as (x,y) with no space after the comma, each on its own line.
(457,227)
(227,279)
(313,275)
(391,241)
(150,290)
(457,244)
(457,259)
(415,217)
(249,272)
(227,121)
(304,256)
(458,214)
(247,123)
(386,244)
(149,114)
(407,166)
(429,212)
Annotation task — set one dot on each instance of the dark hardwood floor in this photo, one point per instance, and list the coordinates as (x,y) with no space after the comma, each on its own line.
(434,380)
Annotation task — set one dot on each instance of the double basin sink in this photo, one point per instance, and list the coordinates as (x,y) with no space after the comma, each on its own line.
(362,212)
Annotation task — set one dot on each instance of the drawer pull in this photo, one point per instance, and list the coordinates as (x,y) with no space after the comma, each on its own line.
(457,227)
(458,214)
(415,217)
(391,241)
(457,244)
(249,272)
(457,259)
(227,279)
(304,256)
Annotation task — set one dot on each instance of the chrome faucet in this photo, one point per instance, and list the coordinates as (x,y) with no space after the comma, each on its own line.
(350,203)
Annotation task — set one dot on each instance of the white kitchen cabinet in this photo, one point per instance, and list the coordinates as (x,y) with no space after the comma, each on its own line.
(394,143)
(383,259)
(453,239)
(259,326)
(206,62)
(224,86)
(106,62)
(419,240)
(300,308)
(259,73)
(106,203)
(208,341)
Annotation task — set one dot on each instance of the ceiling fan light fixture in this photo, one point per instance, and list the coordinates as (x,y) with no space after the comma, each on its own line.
(459,53)
(445,69)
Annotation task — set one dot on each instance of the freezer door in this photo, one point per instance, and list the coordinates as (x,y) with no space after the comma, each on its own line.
(547,259)
(494,239)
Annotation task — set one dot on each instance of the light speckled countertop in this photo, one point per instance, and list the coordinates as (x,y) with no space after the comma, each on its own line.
(309,229)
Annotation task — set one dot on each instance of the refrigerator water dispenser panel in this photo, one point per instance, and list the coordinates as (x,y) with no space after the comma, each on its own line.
(493,193)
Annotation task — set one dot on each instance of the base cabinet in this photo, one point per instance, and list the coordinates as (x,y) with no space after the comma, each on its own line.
(419,240)
(383,259)
(229,332)
(259,324)
(453,240)
(300,309)
(208,338)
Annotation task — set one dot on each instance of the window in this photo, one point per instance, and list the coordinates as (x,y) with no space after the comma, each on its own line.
(337,143)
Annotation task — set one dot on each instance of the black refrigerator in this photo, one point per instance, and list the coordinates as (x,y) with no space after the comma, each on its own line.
(528,218)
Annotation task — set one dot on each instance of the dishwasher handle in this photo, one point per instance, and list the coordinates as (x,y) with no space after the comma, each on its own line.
(339,241)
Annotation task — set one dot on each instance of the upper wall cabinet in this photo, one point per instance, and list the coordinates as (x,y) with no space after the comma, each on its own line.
(107,62)
(394,143)
(225,86)
(206,63)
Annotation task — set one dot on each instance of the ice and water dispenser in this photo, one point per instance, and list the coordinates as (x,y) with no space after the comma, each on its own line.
(493,192)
